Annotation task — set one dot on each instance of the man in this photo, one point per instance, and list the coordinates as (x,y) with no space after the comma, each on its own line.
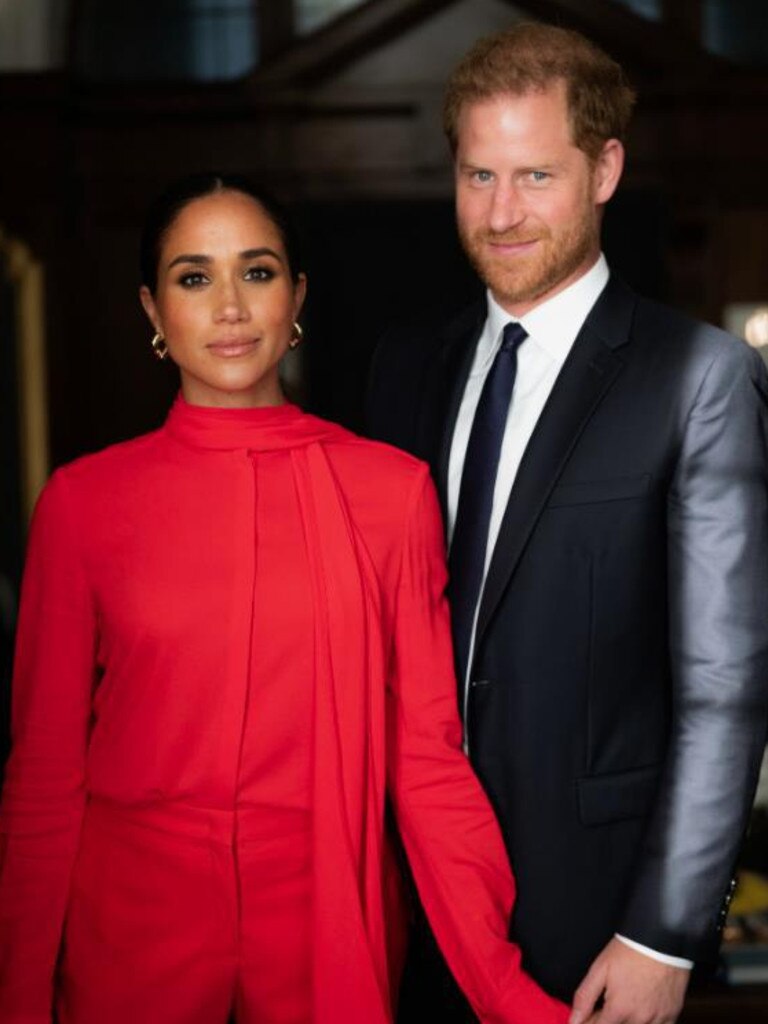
(602,462)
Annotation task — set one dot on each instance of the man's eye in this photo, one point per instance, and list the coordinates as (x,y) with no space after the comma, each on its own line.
(259,274)
(192,279)
(482,176)
(539,176)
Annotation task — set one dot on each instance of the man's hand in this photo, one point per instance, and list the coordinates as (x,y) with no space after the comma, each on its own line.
(636,989)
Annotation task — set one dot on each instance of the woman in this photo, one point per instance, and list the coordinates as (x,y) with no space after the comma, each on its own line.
(232,642)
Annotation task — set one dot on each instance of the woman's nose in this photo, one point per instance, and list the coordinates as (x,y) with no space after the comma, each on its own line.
(230,306)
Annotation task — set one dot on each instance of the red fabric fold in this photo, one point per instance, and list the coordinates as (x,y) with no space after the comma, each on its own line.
(348,761)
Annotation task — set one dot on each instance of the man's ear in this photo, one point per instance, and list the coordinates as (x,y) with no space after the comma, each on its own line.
(607,171)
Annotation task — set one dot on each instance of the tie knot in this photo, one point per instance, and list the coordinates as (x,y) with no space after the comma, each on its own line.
(514,335)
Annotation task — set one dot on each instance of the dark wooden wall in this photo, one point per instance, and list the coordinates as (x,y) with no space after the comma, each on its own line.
(79,165)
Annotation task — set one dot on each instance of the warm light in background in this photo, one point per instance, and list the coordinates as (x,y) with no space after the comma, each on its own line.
(748,320)
(756,328)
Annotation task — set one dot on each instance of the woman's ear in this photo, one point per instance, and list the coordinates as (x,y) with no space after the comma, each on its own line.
(145,296)
(299,294)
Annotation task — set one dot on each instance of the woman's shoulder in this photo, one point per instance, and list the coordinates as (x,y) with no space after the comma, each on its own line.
(345,443)
(97,469)
(376,459)
(388,493)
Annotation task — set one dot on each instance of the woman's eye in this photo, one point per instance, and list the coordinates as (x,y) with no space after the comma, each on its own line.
(259,274)
(193,279)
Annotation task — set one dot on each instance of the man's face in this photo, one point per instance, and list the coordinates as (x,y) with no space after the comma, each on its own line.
(528,201)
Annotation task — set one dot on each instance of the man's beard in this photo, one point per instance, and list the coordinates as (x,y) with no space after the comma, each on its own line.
(529,277)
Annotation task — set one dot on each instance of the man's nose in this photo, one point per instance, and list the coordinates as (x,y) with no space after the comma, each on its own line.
(507,208)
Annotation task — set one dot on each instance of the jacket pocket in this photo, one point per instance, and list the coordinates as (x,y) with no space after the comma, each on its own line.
(617,796)
(591,491)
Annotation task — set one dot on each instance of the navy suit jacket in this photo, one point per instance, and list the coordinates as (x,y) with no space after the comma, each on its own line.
(617,705)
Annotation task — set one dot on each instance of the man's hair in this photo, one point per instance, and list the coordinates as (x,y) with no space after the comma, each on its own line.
(531,57)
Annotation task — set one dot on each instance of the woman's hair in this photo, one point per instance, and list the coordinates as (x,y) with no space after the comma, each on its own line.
(531,57)
(164,210)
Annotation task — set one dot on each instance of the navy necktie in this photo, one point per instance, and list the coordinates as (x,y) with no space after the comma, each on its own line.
(478,479)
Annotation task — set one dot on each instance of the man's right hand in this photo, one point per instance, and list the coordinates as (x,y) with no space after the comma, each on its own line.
(636,989)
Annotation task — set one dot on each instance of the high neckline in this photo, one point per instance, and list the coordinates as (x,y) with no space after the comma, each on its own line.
(264,428)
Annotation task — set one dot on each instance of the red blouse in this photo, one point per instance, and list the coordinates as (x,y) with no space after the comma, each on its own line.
(246,607)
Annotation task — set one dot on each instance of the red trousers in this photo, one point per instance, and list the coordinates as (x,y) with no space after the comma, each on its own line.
(182,915)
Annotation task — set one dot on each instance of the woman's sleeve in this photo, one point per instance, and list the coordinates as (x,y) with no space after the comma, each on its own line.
(43,793)
(451,837)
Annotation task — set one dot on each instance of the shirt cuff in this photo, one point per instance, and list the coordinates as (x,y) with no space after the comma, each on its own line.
(664,958)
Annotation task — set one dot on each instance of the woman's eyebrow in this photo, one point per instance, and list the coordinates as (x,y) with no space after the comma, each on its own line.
(190,258)
(253,254)
(247,254)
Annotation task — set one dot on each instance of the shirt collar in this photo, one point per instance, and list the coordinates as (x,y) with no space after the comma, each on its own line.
(554,323)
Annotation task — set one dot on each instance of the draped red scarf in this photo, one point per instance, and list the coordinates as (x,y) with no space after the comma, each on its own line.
(348,755)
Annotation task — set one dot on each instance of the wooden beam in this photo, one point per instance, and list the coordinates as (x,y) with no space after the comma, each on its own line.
(685,18)
(346,38)
(275,26)
(639,42)
(74,17)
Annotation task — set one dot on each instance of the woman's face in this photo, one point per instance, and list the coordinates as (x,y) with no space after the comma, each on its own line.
(225,301)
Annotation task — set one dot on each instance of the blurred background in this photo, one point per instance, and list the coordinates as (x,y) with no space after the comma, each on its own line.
(335,106)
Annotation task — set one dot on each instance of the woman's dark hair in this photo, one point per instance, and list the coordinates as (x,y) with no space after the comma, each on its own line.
(169,204)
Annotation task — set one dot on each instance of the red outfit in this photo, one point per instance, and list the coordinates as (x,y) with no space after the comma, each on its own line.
(232,640)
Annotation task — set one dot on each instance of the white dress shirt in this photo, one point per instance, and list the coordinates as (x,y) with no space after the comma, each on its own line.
(552,327)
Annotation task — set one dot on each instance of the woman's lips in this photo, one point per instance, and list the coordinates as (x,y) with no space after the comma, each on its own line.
(232,349)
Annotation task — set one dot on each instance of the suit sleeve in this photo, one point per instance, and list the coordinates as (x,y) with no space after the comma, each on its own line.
(42,800)
(449,832)
(717,543)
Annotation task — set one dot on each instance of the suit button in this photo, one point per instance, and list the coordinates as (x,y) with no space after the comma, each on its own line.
(729,894)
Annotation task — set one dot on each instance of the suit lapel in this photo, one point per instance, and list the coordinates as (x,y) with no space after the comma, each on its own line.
(588,373)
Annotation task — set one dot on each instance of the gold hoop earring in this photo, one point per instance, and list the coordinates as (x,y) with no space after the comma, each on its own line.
(297,336)
(159,347)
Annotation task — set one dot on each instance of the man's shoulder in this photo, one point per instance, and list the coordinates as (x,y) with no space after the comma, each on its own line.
(413,357)
(677,335)
(653,316)
(696,342)
(427,333)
